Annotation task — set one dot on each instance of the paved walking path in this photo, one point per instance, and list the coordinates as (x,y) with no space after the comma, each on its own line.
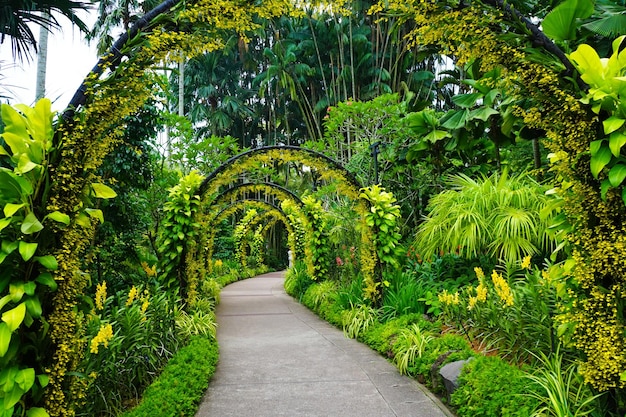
(279,359)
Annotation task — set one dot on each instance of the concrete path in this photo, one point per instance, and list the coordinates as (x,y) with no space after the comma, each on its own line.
(279,359)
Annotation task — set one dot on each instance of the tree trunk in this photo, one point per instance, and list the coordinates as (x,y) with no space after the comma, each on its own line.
(42,59)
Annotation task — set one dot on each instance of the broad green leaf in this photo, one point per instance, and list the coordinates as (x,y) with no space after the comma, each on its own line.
(13,396)
(3,151)
(24,164)
(10,209)
(600,160)
(595,146)
(588,63)
(33,306)
(455,119)
(612,124)
(27,250)
(49,262)
(43,380)
(14,317)
(25,379)
(15,134)
(561,23)
(436,136)
(616,141)
(96,214)
(59,217)
(16,291)
(617,174)
(47,280)
(482,113)
(83,220)
(103,191)
(9,246)
(31,224)
(4,223)
(466,100)
(5,300)
(37,412)
(5,338)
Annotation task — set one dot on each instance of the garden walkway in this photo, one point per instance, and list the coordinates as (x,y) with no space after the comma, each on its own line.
(279,359)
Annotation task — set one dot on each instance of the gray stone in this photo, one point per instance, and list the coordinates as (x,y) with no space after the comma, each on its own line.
(450,374)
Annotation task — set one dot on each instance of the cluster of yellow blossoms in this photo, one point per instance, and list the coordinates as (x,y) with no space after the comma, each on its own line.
(105,334)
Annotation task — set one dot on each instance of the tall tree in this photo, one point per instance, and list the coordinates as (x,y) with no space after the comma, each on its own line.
(16,15)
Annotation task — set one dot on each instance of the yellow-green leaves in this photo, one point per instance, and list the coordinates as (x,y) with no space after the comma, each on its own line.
(103,191)
(607,92)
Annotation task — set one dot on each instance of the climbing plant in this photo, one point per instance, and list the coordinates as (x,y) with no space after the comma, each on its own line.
(317,250)
(593,318)
(240,235)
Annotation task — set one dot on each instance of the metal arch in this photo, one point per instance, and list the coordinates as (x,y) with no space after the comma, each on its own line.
(331,162)
(232,191)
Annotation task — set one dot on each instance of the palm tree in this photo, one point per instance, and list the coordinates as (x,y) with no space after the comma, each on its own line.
(16,15)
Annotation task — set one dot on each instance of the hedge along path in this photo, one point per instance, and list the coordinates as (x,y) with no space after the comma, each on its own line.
(327,170)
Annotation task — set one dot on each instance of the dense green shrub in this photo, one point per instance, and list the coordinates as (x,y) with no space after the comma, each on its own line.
(179,389)
(297,280)
(490,387)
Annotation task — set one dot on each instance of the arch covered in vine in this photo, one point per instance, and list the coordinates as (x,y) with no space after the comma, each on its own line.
(327,170)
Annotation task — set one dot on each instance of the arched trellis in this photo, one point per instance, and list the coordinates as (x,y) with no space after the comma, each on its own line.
(244,190)
(269,209)
(326,168)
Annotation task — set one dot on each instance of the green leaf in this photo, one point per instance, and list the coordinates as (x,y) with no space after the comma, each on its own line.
(33,306)
(561,23)
(5,338)
(31,224)
(616,141)
(482,113)
(466,100)
(436,135)
(612,124)
(103,191)
(49,262)
(624,195)
(15,134)
(4,223)
(16,291)
(25,379)
(37,412)
(59,217)
(588,63)
(14,317)
(12,397)
(617,174)
(27,250)
(9,246)
(96,214)
(10,209)
(47,280)
(595,146)
(24,164)
(600,160)
(455,119)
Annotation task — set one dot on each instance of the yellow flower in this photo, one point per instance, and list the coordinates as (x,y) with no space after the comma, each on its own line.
(481,292)
(104,335)
(446,298)
(502,289)
(101,295)
(132,295)
(526,262)
(479,272)
(219,263)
